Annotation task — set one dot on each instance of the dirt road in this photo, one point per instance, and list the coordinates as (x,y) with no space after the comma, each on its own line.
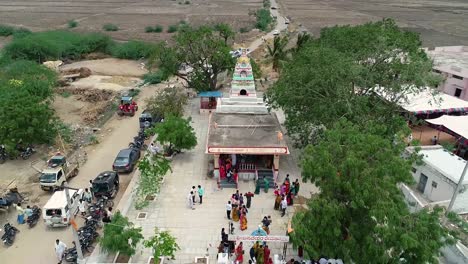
(37,245)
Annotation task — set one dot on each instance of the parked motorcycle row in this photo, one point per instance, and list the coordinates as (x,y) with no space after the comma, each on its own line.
(139,140)
(24,153)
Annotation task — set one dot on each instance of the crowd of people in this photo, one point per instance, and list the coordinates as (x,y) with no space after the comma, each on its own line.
(284,195)
(237,209)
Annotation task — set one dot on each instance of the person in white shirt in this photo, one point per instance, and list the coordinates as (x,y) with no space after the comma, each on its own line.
(284,205)
(60,248)
(82,207)
(228,210)
(190,200)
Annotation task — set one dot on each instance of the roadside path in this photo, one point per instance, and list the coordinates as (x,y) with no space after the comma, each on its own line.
(36,245)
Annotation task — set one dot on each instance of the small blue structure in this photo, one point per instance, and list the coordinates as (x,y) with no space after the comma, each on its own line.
(208,100)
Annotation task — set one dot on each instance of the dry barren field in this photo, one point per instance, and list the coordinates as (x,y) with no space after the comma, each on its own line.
(131,16)
(441,23)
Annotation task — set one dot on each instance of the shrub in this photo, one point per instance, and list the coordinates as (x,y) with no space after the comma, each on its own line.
(72,24)
(116,236)
(182,22)
(153,77)
(187,2)
(263,19)
(110,27)
(132,50)
(172,29)
(21,32)
(6,31)
(158,29)
(53,45)
(149,29)
(244,30)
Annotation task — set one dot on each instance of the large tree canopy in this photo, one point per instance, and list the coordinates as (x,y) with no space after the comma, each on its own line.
(203,49)
(360,214)
(342,73)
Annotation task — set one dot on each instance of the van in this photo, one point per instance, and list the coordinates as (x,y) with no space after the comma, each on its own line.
(56,211)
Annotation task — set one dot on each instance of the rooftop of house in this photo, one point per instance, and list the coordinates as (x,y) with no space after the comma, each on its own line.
(447,163)
(451,59)
(244,130)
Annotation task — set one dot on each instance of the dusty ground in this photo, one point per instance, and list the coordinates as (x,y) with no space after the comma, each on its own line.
(130,16)
(441,23)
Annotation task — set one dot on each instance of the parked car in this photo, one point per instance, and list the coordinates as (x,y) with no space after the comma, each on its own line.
(286,21)
(106,184)
(126,160)
(276,32)
(274,7)
(57,212)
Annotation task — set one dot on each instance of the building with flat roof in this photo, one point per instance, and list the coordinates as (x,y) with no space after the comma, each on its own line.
(244,137)
(436,179)
(452,63)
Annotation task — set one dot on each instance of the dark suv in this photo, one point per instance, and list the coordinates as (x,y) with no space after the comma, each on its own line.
(126,160)
(106,184)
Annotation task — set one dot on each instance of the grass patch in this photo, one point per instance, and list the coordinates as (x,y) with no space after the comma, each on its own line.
(172,28)
(157,29)
(110,27)
(54,45)
(72,24)
(6,31)
(263,19)
(65,94)
(133,50)
(153,77)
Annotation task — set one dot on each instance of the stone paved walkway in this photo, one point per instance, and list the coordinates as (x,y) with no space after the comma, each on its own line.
(198,231)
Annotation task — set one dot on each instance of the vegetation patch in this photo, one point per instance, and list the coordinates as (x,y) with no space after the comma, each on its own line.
(133,50)
(110,27)
(172,28)
(72,24)
(6,31)
(264,19)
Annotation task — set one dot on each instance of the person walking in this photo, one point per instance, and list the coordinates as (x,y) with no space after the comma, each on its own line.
(190,200)
(200,193)
(28,212)
(60,248)
(82,207)
(249,196)
(252,254)
(20,217)
(296,186)
(193,193)
(228,210)
(284,205)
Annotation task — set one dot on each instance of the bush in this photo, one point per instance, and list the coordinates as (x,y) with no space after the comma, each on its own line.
(263,19)
(21,32)
(148,29)
(244,30)
(152,77)
(72,24)
(53,45)
(187,2)
(6,31)
(133,50)
(158,29)
(110,27)
(172,28)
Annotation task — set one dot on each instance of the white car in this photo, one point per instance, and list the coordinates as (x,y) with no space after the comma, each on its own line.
(276,32)
(286,21)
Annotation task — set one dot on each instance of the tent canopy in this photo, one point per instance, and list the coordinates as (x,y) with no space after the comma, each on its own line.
(428,103)
(456,124)
(211,94)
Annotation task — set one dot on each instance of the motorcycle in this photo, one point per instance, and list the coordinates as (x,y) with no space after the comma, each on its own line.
(34,218)
(70,254)
(9,235)
(27,152)
(3,154)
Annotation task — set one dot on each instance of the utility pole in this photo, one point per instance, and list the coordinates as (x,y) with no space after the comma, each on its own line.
(75,234)
(457,189)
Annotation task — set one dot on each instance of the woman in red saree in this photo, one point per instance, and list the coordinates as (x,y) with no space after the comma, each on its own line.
(239,254)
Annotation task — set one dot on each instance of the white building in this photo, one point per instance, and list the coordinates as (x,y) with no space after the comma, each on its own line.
(436,179)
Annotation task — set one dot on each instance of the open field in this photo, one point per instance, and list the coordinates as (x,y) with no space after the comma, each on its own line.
(130,16)
(441,23)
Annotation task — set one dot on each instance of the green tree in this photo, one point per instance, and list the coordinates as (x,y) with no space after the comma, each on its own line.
(169,101)
(163,244)
(359,214)
(336,76)
(202,50)
(176,131)
(152,171)
(277,52)
(225,32)
(302,39)
(120,236)
(24,117)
